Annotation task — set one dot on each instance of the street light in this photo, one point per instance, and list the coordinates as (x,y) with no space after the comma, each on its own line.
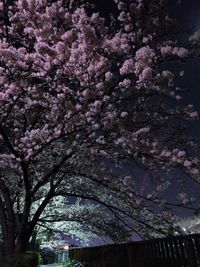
(65,253)
(66,247)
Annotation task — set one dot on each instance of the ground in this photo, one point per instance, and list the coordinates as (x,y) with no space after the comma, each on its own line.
(53,265)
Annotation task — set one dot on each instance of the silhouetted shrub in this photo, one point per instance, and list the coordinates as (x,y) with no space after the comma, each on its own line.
(28,259)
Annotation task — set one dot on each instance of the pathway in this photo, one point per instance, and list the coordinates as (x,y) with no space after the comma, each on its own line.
(53,265)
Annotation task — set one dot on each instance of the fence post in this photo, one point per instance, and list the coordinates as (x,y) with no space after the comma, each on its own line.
(190,251)
(180,251)
(197,247)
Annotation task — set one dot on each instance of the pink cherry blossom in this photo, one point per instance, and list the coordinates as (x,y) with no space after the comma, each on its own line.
(76,91)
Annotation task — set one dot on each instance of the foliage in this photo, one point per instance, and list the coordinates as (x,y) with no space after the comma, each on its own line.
(29,259)
(73,263)
(63,218)
(190,225)
(48,256)
(74,93)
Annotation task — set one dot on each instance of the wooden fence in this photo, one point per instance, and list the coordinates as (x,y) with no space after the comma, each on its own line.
(178,251)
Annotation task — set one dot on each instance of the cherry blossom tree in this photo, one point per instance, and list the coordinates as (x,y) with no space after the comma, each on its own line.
(189,225)
(81,221)
(74,90)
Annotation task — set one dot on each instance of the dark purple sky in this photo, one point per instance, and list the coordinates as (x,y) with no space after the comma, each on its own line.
(189,13)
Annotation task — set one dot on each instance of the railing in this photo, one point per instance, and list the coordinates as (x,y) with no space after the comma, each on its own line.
(178,251)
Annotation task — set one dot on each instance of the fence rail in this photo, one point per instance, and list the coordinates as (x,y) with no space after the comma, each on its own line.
(179,251)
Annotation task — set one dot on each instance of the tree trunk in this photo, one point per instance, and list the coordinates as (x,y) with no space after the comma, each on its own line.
(24,234)
(22,244)
(8,242)
(13,241)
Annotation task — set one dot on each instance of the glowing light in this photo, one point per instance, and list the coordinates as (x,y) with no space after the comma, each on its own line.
(65,247)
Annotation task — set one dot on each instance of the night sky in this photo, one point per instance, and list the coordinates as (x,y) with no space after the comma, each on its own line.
(188,14)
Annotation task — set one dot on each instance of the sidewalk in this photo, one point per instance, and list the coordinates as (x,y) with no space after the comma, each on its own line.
(53,265)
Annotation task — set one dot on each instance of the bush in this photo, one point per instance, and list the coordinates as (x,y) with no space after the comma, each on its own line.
(28,259)
(33,258)
(73,263)
(48,256)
